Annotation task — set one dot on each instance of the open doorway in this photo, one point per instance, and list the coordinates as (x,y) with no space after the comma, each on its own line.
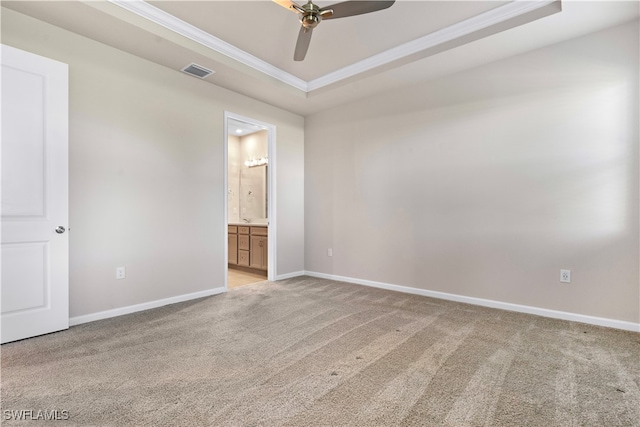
(250,200)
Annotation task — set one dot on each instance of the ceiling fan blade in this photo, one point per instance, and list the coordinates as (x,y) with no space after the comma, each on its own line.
(288,4)
(302,45)
(355,7)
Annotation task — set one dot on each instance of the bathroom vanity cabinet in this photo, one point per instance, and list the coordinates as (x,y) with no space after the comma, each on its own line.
(248,246)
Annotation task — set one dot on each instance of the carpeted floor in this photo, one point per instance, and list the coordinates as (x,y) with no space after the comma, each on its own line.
(312,352)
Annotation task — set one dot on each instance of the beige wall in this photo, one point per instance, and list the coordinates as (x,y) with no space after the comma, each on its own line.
(486,183)
(146,172)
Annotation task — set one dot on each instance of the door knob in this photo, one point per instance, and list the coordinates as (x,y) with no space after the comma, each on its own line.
(60,229)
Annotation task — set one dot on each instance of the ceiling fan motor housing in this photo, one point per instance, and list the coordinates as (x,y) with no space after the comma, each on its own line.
(310,20)
(311,17)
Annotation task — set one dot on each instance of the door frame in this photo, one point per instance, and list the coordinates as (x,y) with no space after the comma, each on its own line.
(271,193)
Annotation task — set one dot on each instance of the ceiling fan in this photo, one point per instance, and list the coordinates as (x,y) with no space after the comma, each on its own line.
(311,15)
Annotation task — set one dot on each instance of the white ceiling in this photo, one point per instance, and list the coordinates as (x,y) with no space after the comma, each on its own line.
(250,43)
(240,128)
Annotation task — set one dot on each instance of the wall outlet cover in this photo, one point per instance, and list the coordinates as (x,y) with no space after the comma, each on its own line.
(120,273)
(565,276)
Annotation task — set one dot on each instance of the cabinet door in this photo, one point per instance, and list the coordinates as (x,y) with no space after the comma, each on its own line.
(257,253)
(243,242)
(233,248)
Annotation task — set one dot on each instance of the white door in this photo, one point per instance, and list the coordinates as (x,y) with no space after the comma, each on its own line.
(34,294)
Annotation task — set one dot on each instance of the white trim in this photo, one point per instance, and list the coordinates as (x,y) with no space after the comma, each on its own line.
(447,34)
(178,26)
(78,320)
(272,272)
(484,20)
(225,195)
(563,315)
(271,192)
(599,321)
(290,275)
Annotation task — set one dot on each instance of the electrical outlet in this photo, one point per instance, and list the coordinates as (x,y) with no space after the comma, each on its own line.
(565,276)
(120,273)
(329,252)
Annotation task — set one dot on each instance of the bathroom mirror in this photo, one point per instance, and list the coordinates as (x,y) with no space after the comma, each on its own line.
(253,193)
(248,171)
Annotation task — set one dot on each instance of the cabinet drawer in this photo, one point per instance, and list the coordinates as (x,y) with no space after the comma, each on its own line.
(243,230)
(259,231)
(243,258)
(243,242)
(232,229)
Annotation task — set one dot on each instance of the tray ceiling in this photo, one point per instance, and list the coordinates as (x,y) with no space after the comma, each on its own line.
(249,44)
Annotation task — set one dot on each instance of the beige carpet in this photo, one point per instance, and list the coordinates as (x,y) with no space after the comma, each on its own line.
(311,352)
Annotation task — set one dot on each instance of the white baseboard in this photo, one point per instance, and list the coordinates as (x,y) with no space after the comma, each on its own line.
(78,320)
(290,275)
(599,321)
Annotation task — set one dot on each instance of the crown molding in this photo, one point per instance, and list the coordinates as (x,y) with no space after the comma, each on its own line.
(469,26)
(463,28)
(170,22)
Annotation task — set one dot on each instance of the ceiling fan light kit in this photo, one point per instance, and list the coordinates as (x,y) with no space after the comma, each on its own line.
(311,15)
